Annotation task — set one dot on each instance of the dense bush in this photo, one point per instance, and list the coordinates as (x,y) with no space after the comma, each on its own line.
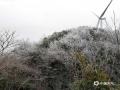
(90,73)
(55,36)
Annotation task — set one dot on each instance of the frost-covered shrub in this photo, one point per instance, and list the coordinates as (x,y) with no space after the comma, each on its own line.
(99,46)
(55,36)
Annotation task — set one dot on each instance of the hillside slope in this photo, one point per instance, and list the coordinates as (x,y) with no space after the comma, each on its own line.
(69,60)
(99,47)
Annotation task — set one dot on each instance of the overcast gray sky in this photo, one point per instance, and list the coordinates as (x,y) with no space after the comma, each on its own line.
(34,19)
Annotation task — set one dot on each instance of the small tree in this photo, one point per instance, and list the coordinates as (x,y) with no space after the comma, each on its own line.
(116,31)
(7,41)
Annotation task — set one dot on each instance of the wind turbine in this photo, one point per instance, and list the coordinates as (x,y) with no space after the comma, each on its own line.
(101,18)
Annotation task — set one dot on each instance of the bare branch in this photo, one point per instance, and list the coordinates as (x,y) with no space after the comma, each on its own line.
(7,40)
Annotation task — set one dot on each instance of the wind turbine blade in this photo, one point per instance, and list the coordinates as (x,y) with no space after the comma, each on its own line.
(107,24)
(95,15)
(105,9)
